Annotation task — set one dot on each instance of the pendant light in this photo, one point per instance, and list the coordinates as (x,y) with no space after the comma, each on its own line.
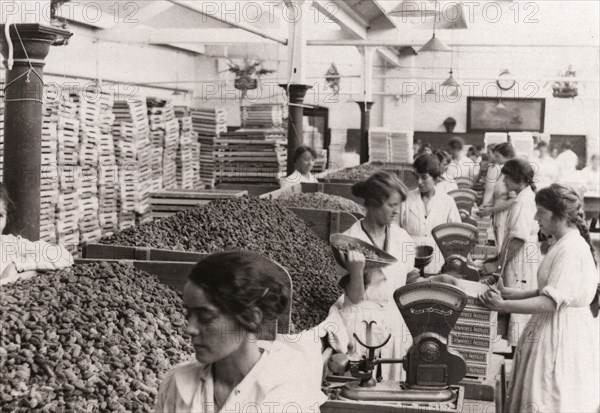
(500,105)
(434,44)
(451,81)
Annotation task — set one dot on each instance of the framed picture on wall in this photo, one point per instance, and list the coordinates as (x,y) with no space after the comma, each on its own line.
(505,115)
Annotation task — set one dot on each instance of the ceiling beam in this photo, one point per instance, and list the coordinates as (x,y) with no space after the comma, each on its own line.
(344,16)
(150,35)
(152,9)
(385,17)
(465,43)
(100,20)
(390,56)
(207,8)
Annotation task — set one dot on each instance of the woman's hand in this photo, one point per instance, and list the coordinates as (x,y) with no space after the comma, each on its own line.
(355,262)
(413,277)
(485,211)
(492,299)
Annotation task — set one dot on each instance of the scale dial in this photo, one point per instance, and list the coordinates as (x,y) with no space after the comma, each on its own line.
(455,229)
(434,293)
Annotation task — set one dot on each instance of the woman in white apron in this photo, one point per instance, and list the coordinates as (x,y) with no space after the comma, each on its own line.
(556,367)
(503,198)
(521,251)
(426,207)
(369,297)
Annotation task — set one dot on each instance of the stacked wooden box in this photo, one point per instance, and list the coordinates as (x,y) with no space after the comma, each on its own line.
(108,170)
(88,108)
(473,337)
(133,153)
(188,156)
(401,146)
(387,145)
(157,141)
(170,154)
(67,208)
(49,179)
(263,116)
(208,124)
(379,149)
(248,156)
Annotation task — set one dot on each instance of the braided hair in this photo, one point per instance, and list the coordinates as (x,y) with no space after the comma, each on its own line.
(565,203)
(520,171)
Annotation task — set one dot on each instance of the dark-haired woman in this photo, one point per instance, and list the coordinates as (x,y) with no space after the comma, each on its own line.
(227,297)
(369,296)
(444,183)
(521,254)
(502,198)
(556,367)
(425,208)
(304,160)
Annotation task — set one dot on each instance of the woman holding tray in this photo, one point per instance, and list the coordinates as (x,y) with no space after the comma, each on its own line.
(556,367)
(369,296)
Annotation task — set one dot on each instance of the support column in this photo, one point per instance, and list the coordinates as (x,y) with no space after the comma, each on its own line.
(365,122)
(23,121)
(367,53)
(298,15)
(295,133)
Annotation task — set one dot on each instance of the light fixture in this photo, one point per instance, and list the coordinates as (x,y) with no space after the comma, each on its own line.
(500,105)
(177,92)
(450,81)
(431,91)
(434,44)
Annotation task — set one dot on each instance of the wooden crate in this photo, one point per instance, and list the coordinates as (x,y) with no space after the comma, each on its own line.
(174,274)
(324,222)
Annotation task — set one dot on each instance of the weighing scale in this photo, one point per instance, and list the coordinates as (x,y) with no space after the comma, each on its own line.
(456,241)
(433,371)
(465,200)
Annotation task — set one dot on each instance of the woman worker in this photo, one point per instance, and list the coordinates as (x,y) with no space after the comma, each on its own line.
(444,183)
(521,253)
(503,198)
(227,297)
(426,207)
(304,160)
(556,367)
(369,297)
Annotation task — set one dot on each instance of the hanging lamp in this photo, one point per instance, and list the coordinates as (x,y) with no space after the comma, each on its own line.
(500,105)
(434,44)
(451,81)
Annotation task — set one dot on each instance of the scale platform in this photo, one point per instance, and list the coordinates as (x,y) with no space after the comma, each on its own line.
(448,401)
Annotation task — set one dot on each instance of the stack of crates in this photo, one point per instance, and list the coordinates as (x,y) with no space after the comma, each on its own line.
(473,337)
